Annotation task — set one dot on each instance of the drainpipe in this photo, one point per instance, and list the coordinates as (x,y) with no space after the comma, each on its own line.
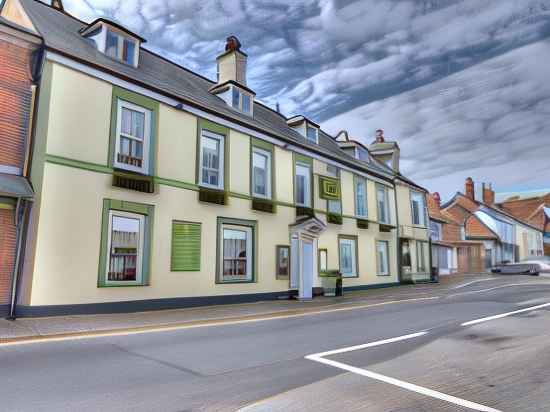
(21,217)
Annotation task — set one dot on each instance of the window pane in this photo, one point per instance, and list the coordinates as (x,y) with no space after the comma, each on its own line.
(311,133)
(123,250)
(334,206)
(303,196)
(382,205)
(112,44)
(383,258)
(235,260)
(361,198)
(246,103)
(128,51)
(347,257)
(283,261)
(210,161)
(259,173)
(236,96)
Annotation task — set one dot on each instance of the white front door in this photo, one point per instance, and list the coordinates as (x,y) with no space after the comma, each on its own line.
(306,274)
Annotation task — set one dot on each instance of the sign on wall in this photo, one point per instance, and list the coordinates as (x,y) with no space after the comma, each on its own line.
(329,189)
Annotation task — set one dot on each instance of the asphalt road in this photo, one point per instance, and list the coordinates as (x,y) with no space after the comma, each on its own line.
(501,364)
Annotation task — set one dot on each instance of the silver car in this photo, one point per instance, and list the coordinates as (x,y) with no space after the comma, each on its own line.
(534,266)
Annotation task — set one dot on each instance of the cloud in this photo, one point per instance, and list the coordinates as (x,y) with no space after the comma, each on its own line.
(489,121)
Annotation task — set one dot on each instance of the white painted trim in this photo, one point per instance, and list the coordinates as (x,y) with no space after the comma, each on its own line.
(67,62)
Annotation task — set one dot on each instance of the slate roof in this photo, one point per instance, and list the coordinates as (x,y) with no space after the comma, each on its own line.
(60,32)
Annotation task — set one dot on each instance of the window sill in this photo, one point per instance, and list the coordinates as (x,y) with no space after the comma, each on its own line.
(232,282)
(131,285)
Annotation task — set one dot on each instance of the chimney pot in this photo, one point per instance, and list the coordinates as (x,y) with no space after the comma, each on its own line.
(380,136)
(488,194)
(469,188)
(437,199)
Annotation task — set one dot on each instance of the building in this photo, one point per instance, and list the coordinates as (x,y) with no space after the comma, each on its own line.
(410,199)
(19,54)
(159,188)
(533,208)
(499,231)
(452,252)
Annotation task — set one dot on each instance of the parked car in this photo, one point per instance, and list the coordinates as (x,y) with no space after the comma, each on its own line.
(530,266)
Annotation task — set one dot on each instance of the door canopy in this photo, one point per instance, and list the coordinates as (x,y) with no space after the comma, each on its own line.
(310,226)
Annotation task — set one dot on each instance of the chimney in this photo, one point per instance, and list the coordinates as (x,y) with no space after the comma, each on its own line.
(437,199)
(488,194)
(58,4)
(232,63)
(469,189)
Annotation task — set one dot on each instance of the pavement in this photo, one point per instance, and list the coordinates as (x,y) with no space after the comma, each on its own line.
(413,355)
(62,326)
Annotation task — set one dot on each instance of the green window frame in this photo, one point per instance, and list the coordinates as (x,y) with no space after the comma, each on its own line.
(249,226)
(186,247)
(355,239)
(122,95)
(278,273)
(379,269)
(356,181)
(208,126)
(306,161)
(270,149)
(137,209)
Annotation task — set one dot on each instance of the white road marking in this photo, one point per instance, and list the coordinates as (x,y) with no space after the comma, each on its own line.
(408,386)
(500,287)
(368,345)
(463,285)
(503,315)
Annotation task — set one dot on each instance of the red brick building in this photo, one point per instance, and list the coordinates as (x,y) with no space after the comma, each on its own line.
(19,52)
(534,209)
(451,251)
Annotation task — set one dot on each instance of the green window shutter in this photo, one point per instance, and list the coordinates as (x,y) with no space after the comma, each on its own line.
(186,247)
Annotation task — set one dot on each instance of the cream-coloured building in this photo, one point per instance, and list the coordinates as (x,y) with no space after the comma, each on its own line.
(158,188)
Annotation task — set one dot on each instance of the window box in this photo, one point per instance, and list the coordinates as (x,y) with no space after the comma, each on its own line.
(132,181)
(304,211)
(264,205)
(218,197)
(385,228)
(362,224)
(334,218)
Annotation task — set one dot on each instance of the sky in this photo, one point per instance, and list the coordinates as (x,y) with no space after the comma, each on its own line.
(462,85)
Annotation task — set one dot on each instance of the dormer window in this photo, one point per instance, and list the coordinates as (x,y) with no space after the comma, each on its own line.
(114,41)
(305,127)
(311,133)
(241,100)
(238,97)
(121,47)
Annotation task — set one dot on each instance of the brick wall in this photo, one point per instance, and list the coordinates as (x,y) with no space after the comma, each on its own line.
(15,101)
(451,232)
(7,253)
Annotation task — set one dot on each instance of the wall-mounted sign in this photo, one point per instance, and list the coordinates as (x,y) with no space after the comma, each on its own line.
(329,189)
